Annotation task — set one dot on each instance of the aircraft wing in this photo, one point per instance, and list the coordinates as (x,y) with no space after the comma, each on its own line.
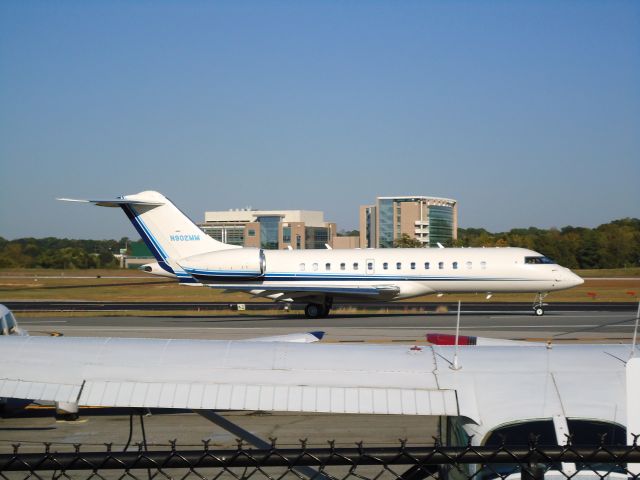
(491,385)
(293,291)
(209,374)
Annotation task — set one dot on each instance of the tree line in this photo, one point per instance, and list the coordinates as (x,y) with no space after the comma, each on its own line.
(612,245)
(65,253)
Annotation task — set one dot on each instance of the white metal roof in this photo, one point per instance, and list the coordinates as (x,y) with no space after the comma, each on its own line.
(496,384)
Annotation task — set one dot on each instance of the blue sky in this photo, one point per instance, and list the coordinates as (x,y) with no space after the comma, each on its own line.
(528,113)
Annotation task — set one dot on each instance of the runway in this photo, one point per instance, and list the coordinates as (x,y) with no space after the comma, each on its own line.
(598,326)
(399,307)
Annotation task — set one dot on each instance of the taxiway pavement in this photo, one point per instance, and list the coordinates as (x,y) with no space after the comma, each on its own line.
(597,326)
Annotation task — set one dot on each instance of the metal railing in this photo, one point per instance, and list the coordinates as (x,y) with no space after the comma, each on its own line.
(400,462)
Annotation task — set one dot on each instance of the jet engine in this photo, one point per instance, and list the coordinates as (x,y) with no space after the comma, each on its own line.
(232,264)
(155,269)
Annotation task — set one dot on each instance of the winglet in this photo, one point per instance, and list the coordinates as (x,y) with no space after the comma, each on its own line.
(318,335)
(309,337)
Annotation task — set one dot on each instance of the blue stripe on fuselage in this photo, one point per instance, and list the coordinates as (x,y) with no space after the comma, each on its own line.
(310,277)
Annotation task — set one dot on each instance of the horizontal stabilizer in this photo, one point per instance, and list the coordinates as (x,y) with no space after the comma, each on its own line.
(117,202)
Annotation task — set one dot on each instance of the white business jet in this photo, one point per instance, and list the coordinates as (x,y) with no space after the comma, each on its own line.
(322,277)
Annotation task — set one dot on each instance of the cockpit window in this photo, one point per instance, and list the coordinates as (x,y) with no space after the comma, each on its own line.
(592,432)
(538,260)
(7,324)
(11,322)
(521,434)
(583,432)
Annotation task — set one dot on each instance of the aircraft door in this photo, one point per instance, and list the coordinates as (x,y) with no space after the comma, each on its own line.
(371,266)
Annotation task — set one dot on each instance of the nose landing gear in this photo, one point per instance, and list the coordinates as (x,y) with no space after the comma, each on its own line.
(538,305)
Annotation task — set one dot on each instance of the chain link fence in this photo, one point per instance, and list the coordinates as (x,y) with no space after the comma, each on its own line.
(399,462)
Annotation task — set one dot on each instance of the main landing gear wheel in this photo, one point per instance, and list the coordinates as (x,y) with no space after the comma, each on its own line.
(539,311)
(314,310)
(317,310)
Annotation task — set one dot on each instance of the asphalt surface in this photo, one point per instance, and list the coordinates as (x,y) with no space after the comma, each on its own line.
(480,307)
(596,325)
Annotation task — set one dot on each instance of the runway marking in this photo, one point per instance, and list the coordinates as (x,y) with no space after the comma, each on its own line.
(177,328)
(431,328)
(604,315)
(486,327)
(40,322)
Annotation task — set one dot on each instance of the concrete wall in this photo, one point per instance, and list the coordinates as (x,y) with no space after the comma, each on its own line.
(346,242)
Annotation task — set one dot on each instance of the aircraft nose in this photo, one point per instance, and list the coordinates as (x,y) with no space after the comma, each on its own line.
(574,280)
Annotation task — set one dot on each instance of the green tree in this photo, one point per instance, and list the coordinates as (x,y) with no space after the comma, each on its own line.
(405,241)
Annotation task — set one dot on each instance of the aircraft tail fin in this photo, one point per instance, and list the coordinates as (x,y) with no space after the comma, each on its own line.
(169,233)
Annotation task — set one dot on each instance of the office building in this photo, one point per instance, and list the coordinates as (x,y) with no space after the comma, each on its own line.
(270,229)
(430,220)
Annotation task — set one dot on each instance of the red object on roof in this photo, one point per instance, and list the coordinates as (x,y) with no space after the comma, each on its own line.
(446,339)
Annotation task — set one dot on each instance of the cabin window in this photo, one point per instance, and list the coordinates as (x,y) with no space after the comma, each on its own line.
(440,265)
(413,265)
(426,265)
(385,266)
(370,266)
(327,266)
(455,265)
(343,266)
(398,266)
(483,265)
(302,267)
(468,264)
(315,267)
(355,265)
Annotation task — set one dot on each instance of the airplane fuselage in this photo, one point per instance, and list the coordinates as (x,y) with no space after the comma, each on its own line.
(412,271)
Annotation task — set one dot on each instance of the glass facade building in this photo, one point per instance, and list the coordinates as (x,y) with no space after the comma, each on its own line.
(427,220)
(385,223)
(231,234)
(440,225)
(316,237)
(269,232)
